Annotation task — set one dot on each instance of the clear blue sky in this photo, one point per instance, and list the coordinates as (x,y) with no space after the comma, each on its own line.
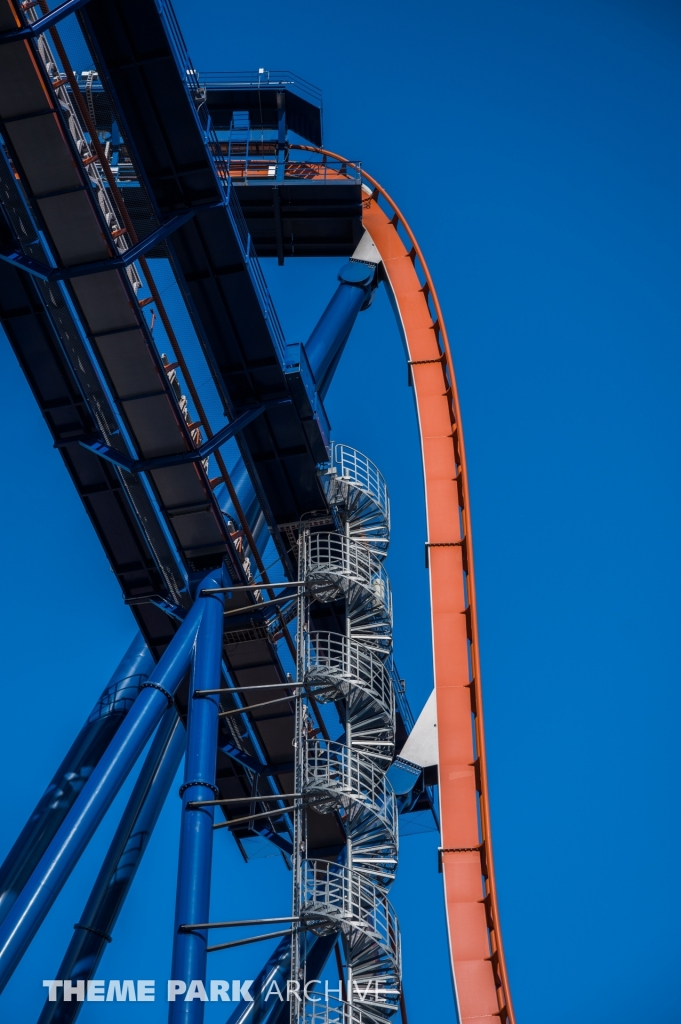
(535,149)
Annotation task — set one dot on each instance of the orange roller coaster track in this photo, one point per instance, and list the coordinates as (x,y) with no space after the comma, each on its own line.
(477,955)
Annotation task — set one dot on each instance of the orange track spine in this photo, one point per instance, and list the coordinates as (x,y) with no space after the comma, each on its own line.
(478,963)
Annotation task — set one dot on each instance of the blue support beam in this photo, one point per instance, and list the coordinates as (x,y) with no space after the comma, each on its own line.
(196,836)
(95,927)
(119,262)
(325,345)
(124,461)
(42,24)
(72,774)
(278,969)
(54,868)
(248,500)
(244,759)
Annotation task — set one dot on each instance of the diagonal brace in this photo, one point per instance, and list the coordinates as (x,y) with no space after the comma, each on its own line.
(256,766)
(130,465)
(42,24)
(118,262)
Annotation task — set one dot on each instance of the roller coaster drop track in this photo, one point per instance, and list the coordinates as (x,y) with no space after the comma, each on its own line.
(340,835)
(477,955)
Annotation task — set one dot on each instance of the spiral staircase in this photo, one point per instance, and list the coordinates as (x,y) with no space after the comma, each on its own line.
(347,777)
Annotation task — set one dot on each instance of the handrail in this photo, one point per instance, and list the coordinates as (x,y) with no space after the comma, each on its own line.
(335,665)
(256,79)
(333,891)
(335,564)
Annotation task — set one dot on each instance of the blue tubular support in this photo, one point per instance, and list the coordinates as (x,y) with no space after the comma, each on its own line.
(44,273)
(277,969)
(325,345)
(73,772)
(96,924)
(78,827)
(196,836)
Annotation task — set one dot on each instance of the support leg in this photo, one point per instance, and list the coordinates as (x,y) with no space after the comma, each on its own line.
(325,345)
(96,924)
(77,829)
(75,769)
(277,971)
(196,836)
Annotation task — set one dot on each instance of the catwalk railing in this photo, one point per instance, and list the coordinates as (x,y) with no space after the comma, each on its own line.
(354,484)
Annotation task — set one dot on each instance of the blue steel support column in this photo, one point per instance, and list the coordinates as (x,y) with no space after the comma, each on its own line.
(277,968)
(74,771)
(77,829)
(261,1011)
(325,345)
(96,924)
(196,837)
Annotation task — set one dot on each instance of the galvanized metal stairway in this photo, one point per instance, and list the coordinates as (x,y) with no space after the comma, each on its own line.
(349,897)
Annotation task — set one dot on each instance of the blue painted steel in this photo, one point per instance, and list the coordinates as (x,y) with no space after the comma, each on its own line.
(123,259)
(325,345)
(403,777)
(95,927)
(42,24)
(124,461)
(310,407)
(259,767)
(73,772)
(277,969)
(196,836)
(67,332)
(77,829)
(161,21)
(248,499)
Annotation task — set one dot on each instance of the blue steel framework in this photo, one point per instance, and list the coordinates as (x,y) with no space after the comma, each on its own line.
(112,177)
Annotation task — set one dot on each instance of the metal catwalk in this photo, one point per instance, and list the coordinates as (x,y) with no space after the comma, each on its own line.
(134,195)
